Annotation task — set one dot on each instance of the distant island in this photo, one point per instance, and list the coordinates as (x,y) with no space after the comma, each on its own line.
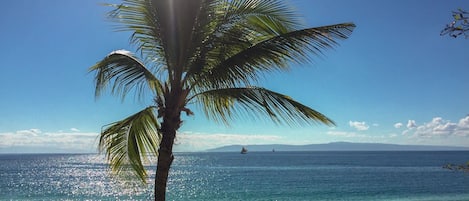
(338,146)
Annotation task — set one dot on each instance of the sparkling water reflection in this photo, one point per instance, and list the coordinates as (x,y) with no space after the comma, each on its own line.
(58,177)
(255,176)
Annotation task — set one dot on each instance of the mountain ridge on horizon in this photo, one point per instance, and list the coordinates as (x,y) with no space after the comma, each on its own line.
(339,146)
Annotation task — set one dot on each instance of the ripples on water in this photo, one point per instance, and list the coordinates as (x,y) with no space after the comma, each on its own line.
(62,177)
(254,176)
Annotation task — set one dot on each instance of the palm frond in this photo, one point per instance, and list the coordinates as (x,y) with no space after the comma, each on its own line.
(125,72)
(161,29)
(139,18)
(129,142)
(274,54)
(237,25)
(223,104)
(268,17)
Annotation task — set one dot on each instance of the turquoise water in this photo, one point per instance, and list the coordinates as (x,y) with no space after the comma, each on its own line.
(353,176)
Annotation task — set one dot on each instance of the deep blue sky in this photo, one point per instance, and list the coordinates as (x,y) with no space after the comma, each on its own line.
(395,80)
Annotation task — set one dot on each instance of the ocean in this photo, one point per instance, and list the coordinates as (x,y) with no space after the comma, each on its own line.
(268,176)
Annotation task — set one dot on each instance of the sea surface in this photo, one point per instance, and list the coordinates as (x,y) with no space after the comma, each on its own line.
(351,176)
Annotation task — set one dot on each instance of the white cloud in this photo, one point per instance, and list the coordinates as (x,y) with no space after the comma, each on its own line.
(30,132)
(398,125)
(344,134)
(439,127)
(74,130)
(35,140)
(187,141)
(361,126)
(411,124)
(463,123)
(361,137)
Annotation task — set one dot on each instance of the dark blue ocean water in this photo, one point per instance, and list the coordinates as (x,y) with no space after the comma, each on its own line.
(254,176)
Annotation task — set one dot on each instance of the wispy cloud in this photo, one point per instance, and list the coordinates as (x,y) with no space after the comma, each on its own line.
(31,132)
(35,139)
(361,126)
(75,130)
(398,125)
(344,134)
(188,141)
(358,136)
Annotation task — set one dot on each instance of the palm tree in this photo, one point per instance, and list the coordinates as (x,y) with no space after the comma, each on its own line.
(209,53)
(459,26)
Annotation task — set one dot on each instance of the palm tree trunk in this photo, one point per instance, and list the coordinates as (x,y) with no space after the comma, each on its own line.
(171,113)
(165,158)
(169,126)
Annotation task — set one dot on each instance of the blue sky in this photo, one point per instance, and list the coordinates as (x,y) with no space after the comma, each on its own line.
(395,80)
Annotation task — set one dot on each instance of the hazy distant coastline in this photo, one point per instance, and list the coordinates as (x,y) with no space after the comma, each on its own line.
(339,146)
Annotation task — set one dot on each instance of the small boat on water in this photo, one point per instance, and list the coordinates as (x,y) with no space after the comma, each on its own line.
(244,150)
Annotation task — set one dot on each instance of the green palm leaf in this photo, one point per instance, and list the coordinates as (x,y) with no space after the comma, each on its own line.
(138,17)
(162,30)
(274,54)
(222,104)
(126,72)
(234,26)
(129,142)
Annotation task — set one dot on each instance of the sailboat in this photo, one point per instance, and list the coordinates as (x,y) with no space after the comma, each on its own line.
(244,150)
